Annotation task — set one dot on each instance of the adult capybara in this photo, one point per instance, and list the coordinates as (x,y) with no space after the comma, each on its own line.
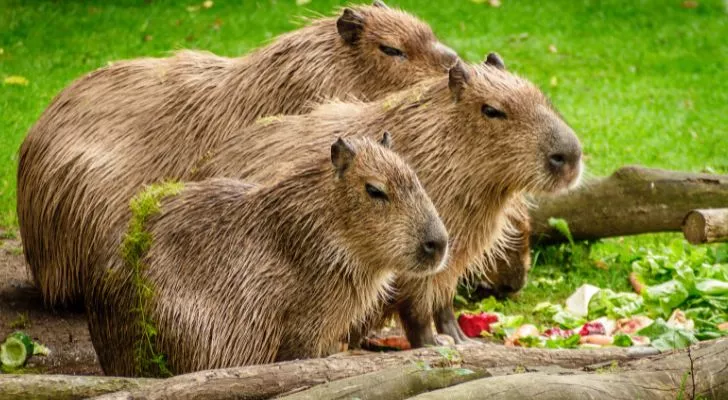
(136,122)
(244,274)
(478,139)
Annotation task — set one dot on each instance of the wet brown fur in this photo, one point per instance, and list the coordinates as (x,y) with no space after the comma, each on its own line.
(248,275)
(474,168)
(136,122)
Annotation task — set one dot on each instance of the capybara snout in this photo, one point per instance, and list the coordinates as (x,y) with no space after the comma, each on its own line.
(434,246)
(563,157)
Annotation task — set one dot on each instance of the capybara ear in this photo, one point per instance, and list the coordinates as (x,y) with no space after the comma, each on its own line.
(494,60)
(386,140)
(380,4)
(342,154)
(350,25)
(457,79)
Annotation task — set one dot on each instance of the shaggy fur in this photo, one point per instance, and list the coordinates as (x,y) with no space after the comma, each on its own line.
(472,166)
(247,275)
(136,122)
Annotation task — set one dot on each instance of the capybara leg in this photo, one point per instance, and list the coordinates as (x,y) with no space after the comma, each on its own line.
(356,335)
(417,326)
(446,323)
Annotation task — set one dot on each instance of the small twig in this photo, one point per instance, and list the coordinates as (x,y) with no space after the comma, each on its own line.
(692,372)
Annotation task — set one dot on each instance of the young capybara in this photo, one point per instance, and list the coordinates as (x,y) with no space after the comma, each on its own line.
(245,274)
(478,139)
(140,121)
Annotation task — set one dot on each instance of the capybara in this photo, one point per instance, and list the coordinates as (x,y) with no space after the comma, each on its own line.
(137,122)
(477,139)
(244,274)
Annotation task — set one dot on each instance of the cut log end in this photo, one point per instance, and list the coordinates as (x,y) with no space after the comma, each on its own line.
(706,226)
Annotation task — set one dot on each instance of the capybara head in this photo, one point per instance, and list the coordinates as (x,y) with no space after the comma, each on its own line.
(523,140)
(386,215)
(392,44)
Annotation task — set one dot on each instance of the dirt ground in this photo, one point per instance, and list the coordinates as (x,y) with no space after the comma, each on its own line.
(64,332)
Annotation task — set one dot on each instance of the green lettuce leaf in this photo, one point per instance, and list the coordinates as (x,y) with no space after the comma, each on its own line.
(622,340)
(665,297)
(557,342)
(664,337)
(556,313)
(614,305)
(711,287)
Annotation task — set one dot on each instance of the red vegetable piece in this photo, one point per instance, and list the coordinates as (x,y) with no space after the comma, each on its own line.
(558,332)
(387,343)
(593,328)
(473,324)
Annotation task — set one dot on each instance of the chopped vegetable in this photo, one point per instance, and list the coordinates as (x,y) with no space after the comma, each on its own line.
(601,340)
(557,314)
(521,334)
(684,288)
(679,320)
(561,342)
(578,302)
(712,287)
(387,343)
(664,337)
(630,326)
(473,324)
(615,305)
(15,350)
(622,340)
(665,296)
(558,332)
(592,328)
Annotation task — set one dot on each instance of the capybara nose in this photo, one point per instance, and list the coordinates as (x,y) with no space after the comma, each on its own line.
(434,243)
(434,247)
(564,157)
(557,160)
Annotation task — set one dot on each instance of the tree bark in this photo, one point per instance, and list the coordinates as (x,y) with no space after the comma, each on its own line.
(700,372)
(268,380)
(706,226)
(388,384)
(632,200)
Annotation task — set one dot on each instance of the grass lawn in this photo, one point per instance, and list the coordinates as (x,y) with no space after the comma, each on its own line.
(641,81)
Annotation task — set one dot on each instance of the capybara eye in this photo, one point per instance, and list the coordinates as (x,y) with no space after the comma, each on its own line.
(391,51)
(375,193)
(491,112)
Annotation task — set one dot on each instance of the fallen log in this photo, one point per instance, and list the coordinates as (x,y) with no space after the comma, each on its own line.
(268,380)
(706,226)
(265,381)
(389,384)
(698,373)
(62,387)
(633,200)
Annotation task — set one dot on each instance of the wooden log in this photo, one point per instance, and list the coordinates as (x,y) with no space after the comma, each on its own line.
(62,387)
(631,201)
(266,381)
(706,226)
(700,373)
(389,384)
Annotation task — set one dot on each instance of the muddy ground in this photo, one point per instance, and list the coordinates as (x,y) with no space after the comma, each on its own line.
(64,332)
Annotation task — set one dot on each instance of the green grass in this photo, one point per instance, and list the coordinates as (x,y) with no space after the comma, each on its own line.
(641,81)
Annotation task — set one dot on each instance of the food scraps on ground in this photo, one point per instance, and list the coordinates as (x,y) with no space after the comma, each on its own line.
(17,348)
